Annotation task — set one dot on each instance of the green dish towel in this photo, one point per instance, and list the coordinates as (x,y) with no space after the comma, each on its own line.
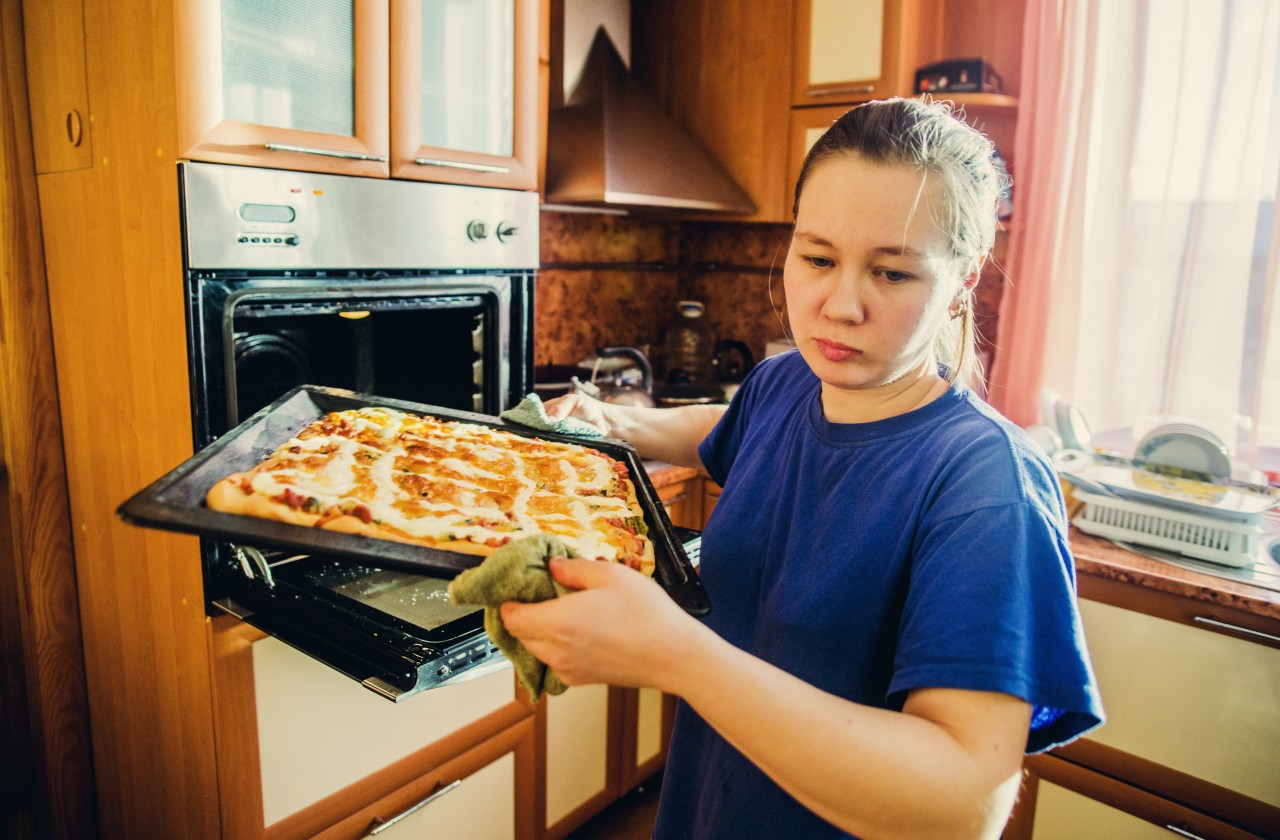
(516,572)
(532,413)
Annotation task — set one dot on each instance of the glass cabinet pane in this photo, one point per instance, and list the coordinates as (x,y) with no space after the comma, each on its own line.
(290,64)
(468,75)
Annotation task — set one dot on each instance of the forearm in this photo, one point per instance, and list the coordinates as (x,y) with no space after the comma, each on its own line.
(872,772)
(671,435)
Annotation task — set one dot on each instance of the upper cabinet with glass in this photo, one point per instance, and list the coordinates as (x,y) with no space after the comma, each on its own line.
(287,84)
(855,50)
(439,90)
(464,91)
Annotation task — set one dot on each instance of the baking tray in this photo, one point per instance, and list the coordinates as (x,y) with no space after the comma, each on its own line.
(175,502)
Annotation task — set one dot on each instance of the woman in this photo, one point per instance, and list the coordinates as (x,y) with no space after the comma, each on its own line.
(893,615)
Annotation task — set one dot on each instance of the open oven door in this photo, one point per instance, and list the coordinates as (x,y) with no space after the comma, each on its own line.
(394,632)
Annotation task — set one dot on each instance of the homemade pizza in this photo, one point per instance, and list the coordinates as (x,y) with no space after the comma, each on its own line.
(445,484)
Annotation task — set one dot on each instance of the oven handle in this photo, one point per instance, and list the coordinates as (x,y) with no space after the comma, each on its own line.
(458,164)
(310,150)
(380,825)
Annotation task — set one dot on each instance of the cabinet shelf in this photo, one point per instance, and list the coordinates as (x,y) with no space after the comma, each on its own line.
(981,101)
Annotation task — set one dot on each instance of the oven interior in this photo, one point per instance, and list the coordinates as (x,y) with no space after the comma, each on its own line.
(460,342)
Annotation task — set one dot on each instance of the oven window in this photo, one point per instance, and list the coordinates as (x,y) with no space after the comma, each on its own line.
(419,600)
(428,350)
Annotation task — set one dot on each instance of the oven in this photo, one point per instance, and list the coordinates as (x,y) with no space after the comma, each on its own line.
(413,291)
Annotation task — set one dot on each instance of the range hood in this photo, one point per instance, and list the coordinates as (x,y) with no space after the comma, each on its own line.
(612,146)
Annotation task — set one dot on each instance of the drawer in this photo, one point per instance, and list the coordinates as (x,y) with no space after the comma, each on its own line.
(487,793)
(1061,801)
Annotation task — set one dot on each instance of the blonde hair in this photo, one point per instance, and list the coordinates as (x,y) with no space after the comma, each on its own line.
(925,134)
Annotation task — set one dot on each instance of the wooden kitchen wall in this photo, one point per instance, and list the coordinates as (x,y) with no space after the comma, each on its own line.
(616,279)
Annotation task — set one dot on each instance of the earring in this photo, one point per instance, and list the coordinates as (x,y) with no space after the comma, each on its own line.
(959,308)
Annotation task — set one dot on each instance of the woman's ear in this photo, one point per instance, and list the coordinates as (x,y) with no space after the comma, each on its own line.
(976,274)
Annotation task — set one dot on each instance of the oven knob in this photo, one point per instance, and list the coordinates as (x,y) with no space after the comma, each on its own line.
(477,230)
(506,231)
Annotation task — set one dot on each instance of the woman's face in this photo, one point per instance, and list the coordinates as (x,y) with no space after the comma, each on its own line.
(869,277)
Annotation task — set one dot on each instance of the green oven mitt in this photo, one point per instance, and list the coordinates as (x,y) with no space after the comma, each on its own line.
(516,572)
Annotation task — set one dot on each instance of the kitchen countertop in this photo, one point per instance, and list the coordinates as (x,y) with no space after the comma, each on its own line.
(1104,560)
(1101,560)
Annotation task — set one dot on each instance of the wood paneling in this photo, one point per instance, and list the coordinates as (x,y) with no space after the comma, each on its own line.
(112,241)
(45,761)
(722,70)
(54,35)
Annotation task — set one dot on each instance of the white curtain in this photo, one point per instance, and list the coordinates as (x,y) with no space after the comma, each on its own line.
(1171,311)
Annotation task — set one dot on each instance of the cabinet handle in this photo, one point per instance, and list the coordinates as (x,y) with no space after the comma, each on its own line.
(1182,832)
(457,164)
(380,826)
(1235,628)
(308,150)
(832,91)
(75,127)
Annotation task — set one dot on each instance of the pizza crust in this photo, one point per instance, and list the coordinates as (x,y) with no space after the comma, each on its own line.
(227,497)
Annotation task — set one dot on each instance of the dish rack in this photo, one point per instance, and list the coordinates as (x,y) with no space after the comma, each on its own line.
(1202,537)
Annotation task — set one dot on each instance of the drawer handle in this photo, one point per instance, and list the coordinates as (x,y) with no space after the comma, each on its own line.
(1235,628)
(380,825)
(458,164)
(309,150)
(1182,832)
(832,91)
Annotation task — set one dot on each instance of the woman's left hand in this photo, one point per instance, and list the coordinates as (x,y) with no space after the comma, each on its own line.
(621,628)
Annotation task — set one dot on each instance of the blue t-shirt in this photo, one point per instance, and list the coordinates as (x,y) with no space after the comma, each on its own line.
(927,550)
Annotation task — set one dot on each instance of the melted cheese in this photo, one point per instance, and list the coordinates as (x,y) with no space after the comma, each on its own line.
(361,469)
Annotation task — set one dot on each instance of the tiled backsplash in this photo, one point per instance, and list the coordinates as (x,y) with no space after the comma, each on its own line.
(615,280)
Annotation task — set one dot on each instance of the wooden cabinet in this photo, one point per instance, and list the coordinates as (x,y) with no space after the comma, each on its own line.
(809,61)
(647,715)
(54,34)
(304,750)
(683,501)
(256,88)
(855,50)
(1193,720)
(464,92)
(418,89)
(722,70)
(600,743)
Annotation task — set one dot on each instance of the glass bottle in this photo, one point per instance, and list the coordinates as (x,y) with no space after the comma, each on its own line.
(688,346)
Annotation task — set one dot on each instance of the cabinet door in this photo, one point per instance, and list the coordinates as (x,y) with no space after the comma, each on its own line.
(293,84)
(484,794)
(855,50)
(647,715)
(464,91)
(1189,699)
(580,772)
(301,747)
(710,495)
(683,503)
(56,84)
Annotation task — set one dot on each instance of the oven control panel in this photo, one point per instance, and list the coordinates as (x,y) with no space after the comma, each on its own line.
(241,217)
(268,238)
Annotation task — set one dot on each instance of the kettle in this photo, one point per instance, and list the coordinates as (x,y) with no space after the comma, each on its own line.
(622,387)
(729,370)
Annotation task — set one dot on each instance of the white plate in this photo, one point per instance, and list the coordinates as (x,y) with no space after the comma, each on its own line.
(1186,447)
